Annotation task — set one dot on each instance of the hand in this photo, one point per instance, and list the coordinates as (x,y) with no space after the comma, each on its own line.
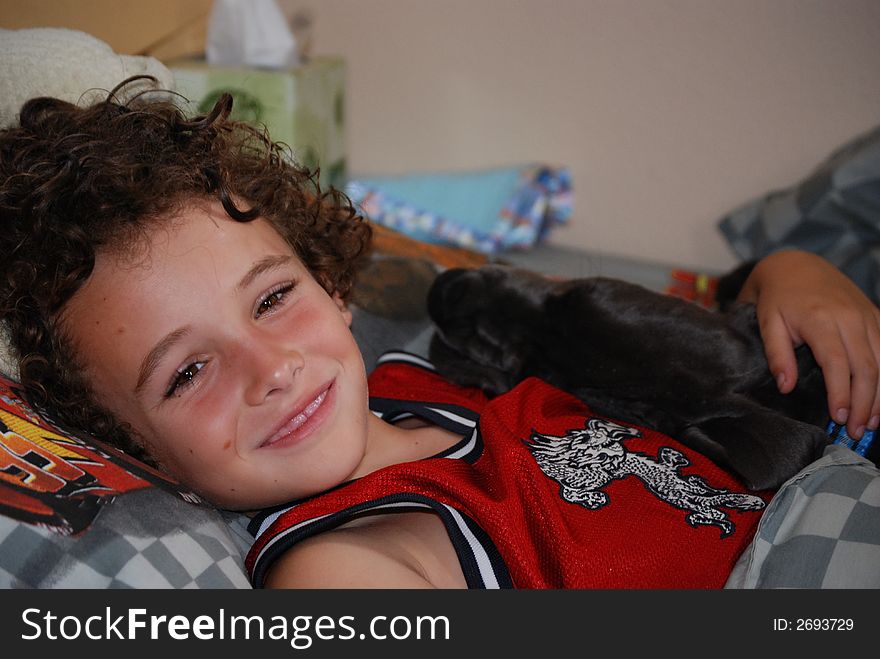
(802,298)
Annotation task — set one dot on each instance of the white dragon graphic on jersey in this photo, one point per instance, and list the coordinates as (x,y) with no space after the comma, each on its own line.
(583,461)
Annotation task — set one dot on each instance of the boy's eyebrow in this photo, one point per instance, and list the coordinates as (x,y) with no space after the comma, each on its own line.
(151,361)
(263,265)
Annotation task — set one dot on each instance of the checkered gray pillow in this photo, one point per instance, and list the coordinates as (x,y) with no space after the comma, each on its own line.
(143,539)
(821,530)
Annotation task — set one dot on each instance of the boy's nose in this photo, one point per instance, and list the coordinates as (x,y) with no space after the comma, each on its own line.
(271,371)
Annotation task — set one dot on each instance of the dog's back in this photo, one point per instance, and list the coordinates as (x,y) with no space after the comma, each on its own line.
(634,355)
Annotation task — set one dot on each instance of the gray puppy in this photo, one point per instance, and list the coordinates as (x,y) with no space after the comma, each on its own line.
(637,356)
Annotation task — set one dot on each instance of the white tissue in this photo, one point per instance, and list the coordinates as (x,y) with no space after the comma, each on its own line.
(250,33)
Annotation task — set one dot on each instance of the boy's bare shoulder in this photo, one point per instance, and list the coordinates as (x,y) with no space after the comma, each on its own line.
(403,550)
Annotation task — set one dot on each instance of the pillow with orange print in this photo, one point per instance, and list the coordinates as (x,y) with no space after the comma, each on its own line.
(77,513)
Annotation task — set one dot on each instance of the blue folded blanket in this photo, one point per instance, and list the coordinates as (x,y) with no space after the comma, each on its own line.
(487,211)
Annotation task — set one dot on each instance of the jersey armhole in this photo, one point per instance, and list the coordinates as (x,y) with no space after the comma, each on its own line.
(481,562)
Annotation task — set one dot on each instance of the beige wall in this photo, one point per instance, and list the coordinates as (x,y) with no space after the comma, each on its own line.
(668,112)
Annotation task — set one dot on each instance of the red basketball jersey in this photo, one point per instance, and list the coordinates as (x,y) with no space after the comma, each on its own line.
(539,493)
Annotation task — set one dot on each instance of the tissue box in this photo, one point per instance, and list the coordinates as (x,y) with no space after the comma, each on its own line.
(302,107)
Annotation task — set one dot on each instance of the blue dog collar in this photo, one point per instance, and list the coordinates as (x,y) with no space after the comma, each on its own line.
(839,435)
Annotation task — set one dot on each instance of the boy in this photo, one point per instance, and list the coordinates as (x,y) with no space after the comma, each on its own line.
(178,287)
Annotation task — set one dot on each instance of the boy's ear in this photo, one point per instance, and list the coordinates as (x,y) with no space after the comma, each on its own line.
(343,308)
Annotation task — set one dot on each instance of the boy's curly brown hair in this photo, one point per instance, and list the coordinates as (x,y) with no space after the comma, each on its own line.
(78,180)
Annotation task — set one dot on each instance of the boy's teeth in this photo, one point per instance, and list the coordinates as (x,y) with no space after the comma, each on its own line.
(303,416)
(314,405)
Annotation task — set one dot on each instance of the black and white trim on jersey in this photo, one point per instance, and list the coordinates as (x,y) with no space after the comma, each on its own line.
(480,560)
(453,418)
(401,357)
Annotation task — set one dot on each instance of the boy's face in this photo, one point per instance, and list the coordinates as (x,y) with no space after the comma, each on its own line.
(235,368)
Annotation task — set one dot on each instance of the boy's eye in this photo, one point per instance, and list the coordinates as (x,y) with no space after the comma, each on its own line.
(184,378)
(273,299)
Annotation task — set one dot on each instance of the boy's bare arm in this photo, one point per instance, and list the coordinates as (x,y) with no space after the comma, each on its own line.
(344,559)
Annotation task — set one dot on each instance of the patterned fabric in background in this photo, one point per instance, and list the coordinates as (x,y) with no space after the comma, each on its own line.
(834,212)
(698,287)
(488,211)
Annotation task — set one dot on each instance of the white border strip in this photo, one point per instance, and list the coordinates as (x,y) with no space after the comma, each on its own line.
(405,357)
(452,416)
(464,450)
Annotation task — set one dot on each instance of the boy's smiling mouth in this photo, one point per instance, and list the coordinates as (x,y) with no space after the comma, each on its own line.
(305,420)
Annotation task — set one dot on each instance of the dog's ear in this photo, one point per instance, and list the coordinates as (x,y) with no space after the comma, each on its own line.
(464,370)
(486,326)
